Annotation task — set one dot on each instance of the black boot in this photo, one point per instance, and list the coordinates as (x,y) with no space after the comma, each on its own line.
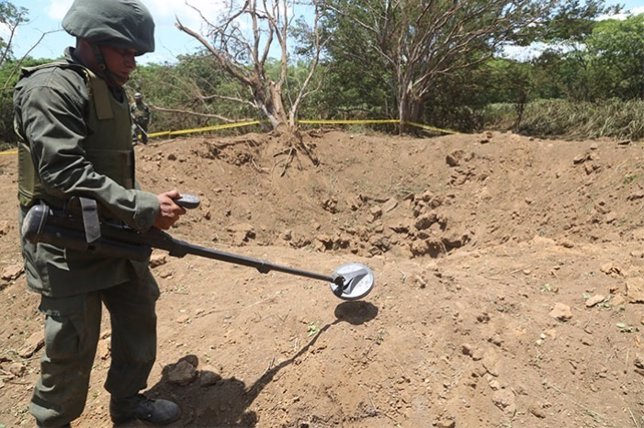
(155,412)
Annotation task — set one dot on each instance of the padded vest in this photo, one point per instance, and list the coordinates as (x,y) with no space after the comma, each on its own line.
(108,144)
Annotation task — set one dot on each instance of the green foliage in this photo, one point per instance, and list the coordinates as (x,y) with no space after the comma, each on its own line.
(616,58)
(612,118)
(193,92)
(609,64)
(9,74)
(384,49)
(574,20)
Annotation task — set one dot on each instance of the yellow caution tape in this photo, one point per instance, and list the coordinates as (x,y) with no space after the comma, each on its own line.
(347,121)
(376,121)
(205,129)
(431,128)
(303,121)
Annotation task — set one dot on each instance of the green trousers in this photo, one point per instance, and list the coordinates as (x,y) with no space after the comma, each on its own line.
(72,329)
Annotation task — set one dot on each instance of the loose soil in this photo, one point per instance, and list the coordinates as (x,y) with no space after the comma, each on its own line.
(509,284)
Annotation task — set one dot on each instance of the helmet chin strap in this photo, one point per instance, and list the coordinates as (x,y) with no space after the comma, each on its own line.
(102,66)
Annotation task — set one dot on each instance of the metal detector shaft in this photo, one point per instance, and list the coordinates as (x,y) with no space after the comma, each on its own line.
(261,265)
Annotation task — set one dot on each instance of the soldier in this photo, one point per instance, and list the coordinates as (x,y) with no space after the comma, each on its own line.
(73,123)
(140,118)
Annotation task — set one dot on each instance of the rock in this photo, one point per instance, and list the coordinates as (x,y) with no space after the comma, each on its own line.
(32,344)
(181,373)
(635,290)
(157,260)
(561,312)
(330,205)
(537,411)
(12,272)
(597,298)
(5,227)
(390,205)
(420,281)
(454,159)
(580,159)
(504,400)
(424,221)
(242,233)
(17,369)
(446,423)
(467,349)
(610,269)
(495,385)
(639,361)
(400,227)
(287,235)
(208,378)
(376,213)
(638,194)
(491,362)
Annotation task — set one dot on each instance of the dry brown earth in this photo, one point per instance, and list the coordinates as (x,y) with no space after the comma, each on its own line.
(509,285)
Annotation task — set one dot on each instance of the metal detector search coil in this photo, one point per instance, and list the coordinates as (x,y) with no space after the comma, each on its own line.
(353,281)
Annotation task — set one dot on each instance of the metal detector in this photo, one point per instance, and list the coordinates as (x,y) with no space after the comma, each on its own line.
(350,281)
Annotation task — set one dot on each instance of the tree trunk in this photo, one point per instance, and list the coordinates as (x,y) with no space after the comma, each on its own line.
(410,109)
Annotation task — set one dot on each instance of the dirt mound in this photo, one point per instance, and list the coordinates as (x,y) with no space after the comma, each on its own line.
(508,289)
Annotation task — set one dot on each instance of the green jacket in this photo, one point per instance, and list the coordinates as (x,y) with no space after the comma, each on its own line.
(74,140)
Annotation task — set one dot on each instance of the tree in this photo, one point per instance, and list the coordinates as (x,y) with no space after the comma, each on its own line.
(615,52)
(10,17)
(245,55)
(420,42)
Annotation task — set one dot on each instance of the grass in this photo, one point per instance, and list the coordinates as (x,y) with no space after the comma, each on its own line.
(613,118)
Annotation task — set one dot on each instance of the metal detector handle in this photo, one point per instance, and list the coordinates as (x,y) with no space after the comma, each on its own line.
(188,201)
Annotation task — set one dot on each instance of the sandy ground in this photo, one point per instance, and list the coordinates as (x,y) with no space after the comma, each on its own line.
(509,285)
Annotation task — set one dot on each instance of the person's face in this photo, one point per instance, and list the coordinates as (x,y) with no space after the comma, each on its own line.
(120,62)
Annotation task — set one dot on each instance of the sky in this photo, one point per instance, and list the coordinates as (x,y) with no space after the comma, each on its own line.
(45,17)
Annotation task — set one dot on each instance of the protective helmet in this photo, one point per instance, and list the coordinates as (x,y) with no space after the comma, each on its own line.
(123,24)
(138,96)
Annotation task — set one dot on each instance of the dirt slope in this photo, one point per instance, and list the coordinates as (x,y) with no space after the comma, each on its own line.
(509,285)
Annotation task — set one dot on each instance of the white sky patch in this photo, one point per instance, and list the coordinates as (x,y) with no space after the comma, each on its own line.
(58,8)
(621,16)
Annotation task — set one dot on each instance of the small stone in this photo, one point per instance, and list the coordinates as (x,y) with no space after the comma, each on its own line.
(181,373)
(157,260)
(446,423)
(208,378)
(467,349)
(504,400)
(597,298)
(12,272)
(17,369)
(390,205)
(635,290)
(32,344)
(537,411)
(639,361)
(561,312)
